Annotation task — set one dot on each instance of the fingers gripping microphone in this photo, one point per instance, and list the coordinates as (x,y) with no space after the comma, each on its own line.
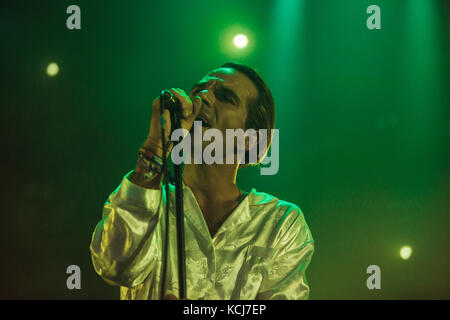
(170,102)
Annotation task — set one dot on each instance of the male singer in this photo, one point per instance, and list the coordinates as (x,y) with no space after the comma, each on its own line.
(239,245)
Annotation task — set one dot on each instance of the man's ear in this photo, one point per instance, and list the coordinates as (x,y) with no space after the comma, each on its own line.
(251,147)
(251,141)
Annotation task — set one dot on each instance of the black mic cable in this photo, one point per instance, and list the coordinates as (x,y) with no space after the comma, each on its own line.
(168,101)
(165,170)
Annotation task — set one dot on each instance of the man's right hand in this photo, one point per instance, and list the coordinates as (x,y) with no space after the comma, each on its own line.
(189,111)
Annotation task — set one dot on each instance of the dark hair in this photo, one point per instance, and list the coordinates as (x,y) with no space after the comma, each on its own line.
(261,111)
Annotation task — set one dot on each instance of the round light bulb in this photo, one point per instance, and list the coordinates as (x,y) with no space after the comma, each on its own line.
(405,252)
(52,69)
(240,41)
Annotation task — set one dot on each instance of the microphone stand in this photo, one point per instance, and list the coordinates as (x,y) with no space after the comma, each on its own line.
(174,107)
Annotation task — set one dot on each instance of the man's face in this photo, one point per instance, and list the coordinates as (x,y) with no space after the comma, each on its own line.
(225,93)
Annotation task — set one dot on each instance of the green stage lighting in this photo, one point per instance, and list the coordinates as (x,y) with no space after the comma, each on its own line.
(405,252)
(237,41)
(52,69)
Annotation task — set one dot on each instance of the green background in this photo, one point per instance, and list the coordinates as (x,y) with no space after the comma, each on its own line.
(363,118)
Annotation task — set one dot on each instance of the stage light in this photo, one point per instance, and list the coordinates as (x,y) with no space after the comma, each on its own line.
(52,69)
(240,41)
(405,252)
(237,41)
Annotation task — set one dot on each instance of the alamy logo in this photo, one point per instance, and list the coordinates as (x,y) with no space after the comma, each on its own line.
(374,20)
(74,280)
(374,281)
(244,147)
(74,20)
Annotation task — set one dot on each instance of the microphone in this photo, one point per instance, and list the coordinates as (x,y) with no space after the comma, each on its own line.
(170,102)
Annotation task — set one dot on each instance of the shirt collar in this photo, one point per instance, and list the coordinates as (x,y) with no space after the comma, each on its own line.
(193,212)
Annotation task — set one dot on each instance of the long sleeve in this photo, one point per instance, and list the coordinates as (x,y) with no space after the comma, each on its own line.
(125,244)
(286,278)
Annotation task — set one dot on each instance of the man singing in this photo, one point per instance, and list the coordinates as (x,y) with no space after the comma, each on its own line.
(238,245)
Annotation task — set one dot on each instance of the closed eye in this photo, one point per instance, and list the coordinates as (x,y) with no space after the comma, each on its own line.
(225,98)
(226,95)
(221,92)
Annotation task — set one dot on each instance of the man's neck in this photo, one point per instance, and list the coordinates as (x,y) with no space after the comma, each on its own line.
(214,187)
(214,183)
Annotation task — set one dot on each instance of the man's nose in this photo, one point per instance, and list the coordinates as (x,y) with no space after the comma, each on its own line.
(207,94)
(206,97)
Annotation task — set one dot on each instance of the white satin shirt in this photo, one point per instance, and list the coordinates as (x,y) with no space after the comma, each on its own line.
(261,251)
